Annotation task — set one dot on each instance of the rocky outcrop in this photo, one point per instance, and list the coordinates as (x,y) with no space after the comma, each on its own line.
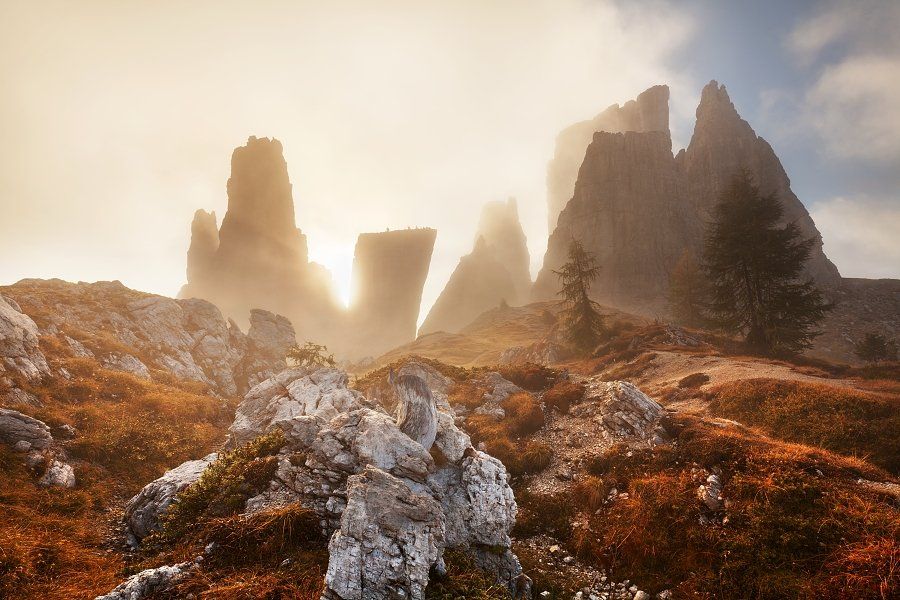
(389,272)
(58,474)
(20,354)
(292,393)
(389,507)
(260,259)
(637,207)
(494,273)
(23,432)
(622,411)
(648,112)
(137,333)
(143,511)
(390,537)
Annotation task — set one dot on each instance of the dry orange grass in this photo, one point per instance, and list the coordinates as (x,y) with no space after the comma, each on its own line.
(57,543)
(847,421)
(798,525)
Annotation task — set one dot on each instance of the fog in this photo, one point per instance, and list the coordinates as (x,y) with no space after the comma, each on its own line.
(119,119)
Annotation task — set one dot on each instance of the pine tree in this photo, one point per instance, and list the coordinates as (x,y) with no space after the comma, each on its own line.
(754,266)
(876,348)
(581,318)
(687,291)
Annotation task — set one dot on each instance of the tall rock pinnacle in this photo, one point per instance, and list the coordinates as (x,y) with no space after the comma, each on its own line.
(259,258)
(648,112)
(497,270)
(389,272)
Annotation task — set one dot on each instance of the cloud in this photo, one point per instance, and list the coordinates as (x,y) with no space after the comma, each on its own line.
(853,102)
(860,235)
(119,118)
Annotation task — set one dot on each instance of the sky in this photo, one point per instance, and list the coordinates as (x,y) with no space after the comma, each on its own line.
(118,118)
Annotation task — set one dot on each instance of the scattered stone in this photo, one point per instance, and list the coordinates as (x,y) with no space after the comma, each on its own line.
(59,474)
(150,581)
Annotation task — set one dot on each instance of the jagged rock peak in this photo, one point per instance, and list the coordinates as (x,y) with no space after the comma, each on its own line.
(500,228)
(204,243)
(648,112)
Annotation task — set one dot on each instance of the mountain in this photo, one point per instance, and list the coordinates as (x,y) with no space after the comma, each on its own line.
(495,272)
(637,207)
(258,258)
(648,112)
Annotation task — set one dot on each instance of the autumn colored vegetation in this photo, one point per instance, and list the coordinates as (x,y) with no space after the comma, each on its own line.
(795,524)
(845,421)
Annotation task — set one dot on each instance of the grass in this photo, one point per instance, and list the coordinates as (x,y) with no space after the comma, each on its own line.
(58,543)
(506,439)
(530,376)
(563,395)
(464,580)
(846,421)
(798,526)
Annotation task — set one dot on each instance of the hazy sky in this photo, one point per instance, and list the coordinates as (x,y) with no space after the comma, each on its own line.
(118,118)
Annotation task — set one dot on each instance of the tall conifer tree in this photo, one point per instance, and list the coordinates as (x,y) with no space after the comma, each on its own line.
(581,317)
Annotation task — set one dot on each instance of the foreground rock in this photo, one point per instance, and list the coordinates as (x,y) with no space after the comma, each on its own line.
(391,510)
(149,581)
(19,351)
(142,512)
(23,432)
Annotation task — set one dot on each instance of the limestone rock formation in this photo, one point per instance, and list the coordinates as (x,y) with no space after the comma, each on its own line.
(19,351)
(389,272)
(496,272)
(500,228)
(258,258)
(637,207)
(648,112)
(137,332)
(389,508)
(204,244)
(479,282)
(390,536)
(142,512)
(722,144)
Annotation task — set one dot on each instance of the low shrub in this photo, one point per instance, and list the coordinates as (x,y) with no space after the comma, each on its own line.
(524,415)
(694,380)
(222,489)
(563,395)
(530,376)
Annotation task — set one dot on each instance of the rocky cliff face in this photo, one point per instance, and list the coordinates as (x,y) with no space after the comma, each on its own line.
(723,144)
(500,228)
(495,272)
(139,333)
(648,112)
(389,272)
(637,207)
(261,259)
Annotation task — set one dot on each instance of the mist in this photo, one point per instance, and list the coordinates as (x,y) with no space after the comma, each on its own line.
(120,119)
